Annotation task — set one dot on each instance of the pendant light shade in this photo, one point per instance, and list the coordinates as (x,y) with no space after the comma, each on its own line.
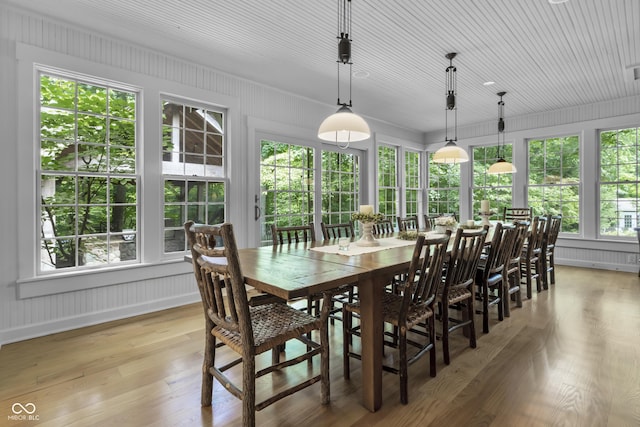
(344,126)
(501,165)
(451,153)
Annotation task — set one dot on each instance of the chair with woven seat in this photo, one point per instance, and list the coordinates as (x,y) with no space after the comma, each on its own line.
(490,273)
(517,214)
(410,308)
(554,223)
(408,223)
(383,227)
(531,260)
(457,289)
(335,231)
(512,275)
(246,330)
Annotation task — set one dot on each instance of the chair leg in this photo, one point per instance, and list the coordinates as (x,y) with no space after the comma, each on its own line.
(325,388)
(208,362)
(346,338)
(527,276)
(506,305)
(544,270)
(445,332)
(485,308)
(472,325)
(500,289)
(519,292)
(402,344)
(249,391)
(431,324)
(552,266)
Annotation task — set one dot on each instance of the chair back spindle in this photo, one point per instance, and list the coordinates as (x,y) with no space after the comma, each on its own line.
(335,231)
(408,223)
(293,234)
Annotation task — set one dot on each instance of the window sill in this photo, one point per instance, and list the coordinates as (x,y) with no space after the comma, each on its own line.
(89,279)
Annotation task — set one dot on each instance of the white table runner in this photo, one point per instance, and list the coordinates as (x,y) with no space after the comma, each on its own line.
(354,249)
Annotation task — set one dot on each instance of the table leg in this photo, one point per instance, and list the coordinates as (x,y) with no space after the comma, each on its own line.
(370,294)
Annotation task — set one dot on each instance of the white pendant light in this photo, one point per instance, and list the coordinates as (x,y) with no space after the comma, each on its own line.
(344,126)
(501,165)
(451,153)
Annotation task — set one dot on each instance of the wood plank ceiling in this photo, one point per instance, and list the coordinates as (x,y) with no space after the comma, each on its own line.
(546,56)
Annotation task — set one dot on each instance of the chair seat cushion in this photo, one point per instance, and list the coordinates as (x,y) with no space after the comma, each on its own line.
(273,325)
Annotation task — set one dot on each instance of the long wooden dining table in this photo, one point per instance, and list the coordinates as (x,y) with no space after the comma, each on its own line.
(294,270)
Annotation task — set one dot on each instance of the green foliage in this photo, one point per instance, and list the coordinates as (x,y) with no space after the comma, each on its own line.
(554,179)
(98,138)
(619,181)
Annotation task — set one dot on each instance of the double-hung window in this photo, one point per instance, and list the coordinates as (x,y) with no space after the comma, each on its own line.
(340,186)
(554,179)
(444,187)
(619,181)
(388,181)
(498,188)
(193,140)
(412,180)
(88,199)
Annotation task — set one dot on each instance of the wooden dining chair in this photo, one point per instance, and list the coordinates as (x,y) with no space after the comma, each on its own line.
(408,223)
(335,231)
(512,275)
(554,222)
(430,221)
(287,235)
(246,330)
(383,227)
(490,273)
(531,260)
(517,214)
(457,289)
(409,309)
(347,293)
(292,234)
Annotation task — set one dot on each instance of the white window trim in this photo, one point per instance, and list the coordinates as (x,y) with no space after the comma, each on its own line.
(153,263)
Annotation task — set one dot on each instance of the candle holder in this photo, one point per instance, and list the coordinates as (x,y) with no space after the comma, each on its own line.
(485,218)
(367,220)
(367,238)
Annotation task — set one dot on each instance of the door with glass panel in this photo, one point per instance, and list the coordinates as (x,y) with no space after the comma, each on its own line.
(302,184)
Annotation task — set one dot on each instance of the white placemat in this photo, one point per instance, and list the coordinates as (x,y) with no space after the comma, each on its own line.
(354,249)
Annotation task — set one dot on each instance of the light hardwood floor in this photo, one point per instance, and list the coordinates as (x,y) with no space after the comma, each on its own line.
(569,357)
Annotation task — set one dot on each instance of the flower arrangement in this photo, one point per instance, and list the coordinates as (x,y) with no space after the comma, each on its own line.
(367,217)
(408,235)
(446,221)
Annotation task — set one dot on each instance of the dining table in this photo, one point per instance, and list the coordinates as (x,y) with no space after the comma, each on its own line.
(304,269)
(297,270)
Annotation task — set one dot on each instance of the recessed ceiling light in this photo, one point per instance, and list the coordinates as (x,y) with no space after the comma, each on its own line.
(361,74)
(557,1)
(489,83)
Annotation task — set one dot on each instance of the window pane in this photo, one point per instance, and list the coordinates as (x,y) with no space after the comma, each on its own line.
(554,179)
(340,183)
(387,178)
(82,144)
(444,185)
(619,182)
